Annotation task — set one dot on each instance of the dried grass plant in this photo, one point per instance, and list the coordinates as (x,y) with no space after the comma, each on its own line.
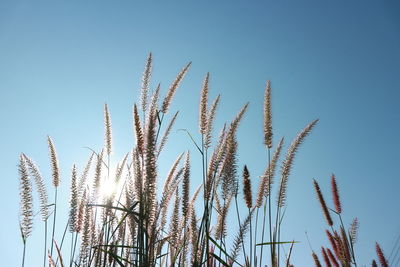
(134,226)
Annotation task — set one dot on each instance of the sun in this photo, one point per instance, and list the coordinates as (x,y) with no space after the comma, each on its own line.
(108,187)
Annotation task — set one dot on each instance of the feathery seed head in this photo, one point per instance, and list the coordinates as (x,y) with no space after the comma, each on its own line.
(332,258)
(164,139)
(138,130)
(247,187)
(185,186)
(81,212)
(353,231)
(97,175)
(153,109)
(289,159)
(323,204)
(267,179)
(84,175)
(120,169)
(172,89)
(210,121)
(238,118)
(26,201)
(345,246)
(267,116)
(381,256)
(243,228)
(40,187)
(316,260)
(203,106)
(326,257)
(54,162)
(146,83)
(108,131)
(73,211)
(335,193)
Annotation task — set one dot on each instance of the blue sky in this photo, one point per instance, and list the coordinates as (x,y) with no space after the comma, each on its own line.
(338,61)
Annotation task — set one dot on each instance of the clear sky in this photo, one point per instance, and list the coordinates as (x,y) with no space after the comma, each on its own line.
(334,60)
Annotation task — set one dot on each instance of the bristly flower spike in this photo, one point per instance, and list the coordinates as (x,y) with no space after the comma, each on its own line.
(54,162)
(108,131)
(335,193)
(247,187)
(203,106)
(26,202)
(323,204)
(172,89)
(381,256)
(267,116)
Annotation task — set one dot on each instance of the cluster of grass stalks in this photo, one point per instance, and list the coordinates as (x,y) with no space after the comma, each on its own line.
(116,217)
(342,240)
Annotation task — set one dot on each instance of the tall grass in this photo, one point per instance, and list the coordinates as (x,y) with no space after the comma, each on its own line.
(117,219)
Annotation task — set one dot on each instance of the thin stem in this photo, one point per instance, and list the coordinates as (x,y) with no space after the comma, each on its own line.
(263,230)
(251,241)
(255,239)
(54,221)
(45,242)
(71,249)
(276,230)
(73,252)
(240,225)
(269,206)
(62,240)
(23,254)
(222,231)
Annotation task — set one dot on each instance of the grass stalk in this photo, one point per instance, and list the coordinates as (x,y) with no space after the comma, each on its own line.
(54,221)
(23,253)
(45,243)
(238,217)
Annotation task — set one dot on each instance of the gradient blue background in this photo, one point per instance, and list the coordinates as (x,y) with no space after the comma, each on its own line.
(334,60)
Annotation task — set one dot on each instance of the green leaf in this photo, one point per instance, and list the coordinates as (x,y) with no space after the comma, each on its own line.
(222,250)
(219,259)
(274,243)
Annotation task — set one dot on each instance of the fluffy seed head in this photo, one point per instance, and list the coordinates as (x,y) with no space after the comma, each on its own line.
(172,89)
(326,257)
(267,179)
(247,187)
(26,201)
(108,131)
(316,260)
(381,256)
(203,106)
(333,243)
(289,159)
(40,187)
(97,175)
(138,130)
(81,212)
(267,116)
(335,193)
(144,92)
(73,201)
(321,200)
(164,139)
(185,186)
(84,175)
(210,121)
(332,258)
(353,231)
(54,162)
